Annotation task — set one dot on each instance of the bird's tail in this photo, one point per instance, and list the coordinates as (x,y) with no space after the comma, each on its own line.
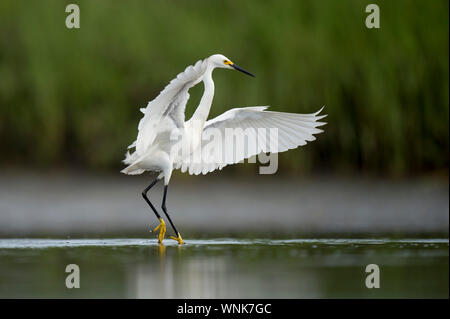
(132,168)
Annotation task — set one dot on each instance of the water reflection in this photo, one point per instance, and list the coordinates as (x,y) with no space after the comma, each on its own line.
(309,269)
(178,276)
(223,268)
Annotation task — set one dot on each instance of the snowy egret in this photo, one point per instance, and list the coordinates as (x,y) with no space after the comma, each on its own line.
(164,118)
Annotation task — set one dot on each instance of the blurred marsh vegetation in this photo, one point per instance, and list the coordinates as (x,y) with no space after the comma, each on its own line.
(72,97)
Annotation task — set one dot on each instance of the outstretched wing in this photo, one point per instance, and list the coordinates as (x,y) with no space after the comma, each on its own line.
(170,103)
(244,132)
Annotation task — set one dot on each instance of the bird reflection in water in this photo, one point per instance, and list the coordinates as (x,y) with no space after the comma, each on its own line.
(173,274)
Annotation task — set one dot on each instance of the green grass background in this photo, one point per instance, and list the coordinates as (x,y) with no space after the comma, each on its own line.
(72,97)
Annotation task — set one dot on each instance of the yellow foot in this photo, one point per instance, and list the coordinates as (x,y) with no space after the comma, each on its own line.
(162,230)
(178,239)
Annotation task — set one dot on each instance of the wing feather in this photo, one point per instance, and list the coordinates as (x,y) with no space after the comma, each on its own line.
(293,130)
(170,103)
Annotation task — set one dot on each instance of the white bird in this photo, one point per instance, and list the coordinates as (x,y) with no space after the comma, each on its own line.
(164,118)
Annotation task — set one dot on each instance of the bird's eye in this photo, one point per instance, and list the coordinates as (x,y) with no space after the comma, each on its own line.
(227,62)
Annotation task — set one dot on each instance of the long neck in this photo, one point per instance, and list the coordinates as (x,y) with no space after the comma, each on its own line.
(202,111)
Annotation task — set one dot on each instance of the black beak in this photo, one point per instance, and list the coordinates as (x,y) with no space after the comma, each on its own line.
(236,67)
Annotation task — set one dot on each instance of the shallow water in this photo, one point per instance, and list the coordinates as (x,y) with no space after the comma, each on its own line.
(224,268)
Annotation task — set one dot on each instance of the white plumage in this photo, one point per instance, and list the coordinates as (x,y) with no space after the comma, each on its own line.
(251,124)
(164,118)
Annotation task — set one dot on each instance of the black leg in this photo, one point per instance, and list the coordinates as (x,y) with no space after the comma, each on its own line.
(165,211)
(144,194)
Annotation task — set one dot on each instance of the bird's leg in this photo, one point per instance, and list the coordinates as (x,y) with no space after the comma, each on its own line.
(162,225)
(178,238)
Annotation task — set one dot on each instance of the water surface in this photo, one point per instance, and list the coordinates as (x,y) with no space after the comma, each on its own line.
(224,268)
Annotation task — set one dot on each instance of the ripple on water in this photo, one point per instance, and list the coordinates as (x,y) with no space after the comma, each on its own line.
(22,243)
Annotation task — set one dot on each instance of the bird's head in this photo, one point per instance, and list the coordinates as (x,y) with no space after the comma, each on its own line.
(221,61)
